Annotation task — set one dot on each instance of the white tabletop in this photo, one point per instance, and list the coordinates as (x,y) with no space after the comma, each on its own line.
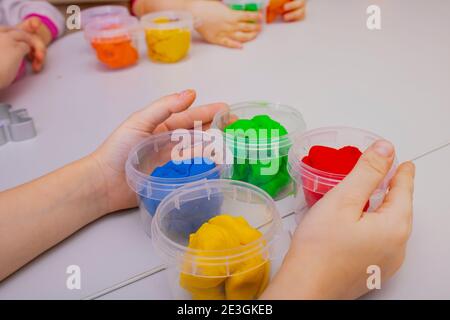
(393,81)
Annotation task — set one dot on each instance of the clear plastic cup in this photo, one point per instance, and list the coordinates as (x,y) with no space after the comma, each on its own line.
(88,15)
(246,5)
(168,35)
(264,160)
(234,273)
(156,151)
(115,40)
(311,183)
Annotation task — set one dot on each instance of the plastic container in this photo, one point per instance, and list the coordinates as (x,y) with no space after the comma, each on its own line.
(251,154)
(156,151)
(246,5)
(88,15)
(237,273)
(115,40)
(168,35)
(311,183)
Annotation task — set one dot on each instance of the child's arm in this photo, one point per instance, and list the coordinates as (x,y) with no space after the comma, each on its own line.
(336,242)
(39,214)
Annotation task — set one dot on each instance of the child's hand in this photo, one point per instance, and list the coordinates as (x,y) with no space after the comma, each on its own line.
(15,45)
(41,37)
(294,10)
(168,113)
(336,242)
(221,25)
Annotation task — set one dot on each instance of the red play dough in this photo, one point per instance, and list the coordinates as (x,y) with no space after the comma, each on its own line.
(330,162)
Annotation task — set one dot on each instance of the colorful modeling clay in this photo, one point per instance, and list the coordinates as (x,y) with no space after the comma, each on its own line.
(275,9)
(117,52)
(242,278)
(332,164)
(250,6)
(167,44)
(255,171)
(195,166)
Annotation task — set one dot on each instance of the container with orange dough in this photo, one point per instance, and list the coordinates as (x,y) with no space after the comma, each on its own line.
(114,40)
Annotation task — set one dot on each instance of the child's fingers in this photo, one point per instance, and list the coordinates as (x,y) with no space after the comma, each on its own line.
(33,24)
(149,118)
(230,43)
(30,25)
(186,119)
(5,28)
(243,36)
(248,16)
(249,27)
(294,15)
(293,5)
(38,60)
(23,48)
(399,199)
(19,35)
(362,181)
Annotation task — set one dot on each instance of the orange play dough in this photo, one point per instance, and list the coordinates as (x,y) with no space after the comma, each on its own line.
(117,52)
(275,9)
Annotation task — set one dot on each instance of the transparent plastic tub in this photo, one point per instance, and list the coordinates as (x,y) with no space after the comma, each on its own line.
(99,12)
(265,160)
(115,40)
(157,150)
(312,184)
(168,35)
(241,272)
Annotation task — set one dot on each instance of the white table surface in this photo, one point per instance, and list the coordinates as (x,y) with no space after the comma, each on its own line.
(394,82)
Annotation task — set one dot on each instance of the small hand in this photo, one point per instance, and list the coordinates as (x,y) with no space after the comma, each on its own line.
(168,113)
(336,241)
(221,25)
(294,10)
(41,37)
(15,44)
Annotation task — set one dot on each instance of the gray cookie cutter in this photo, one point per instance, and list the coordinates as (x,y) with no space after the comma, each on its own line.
(15,125)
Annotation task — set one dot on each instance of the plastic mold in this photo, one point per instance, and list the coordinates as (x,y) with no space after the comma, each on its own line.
(15,125)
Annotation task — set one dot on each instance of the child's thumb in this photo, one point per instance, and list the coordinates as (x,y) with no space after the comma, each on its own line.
(368,173)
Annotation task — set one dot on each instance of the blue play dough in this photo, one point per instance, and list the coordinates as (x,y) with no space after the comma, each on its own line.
(183,169)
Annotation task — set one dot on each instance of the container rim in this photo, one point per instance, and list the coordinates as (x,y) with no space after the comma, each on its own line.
(282,142)
(144,179)
(89,14)
(333,178)
(178,19)
(97,27)
(176,251)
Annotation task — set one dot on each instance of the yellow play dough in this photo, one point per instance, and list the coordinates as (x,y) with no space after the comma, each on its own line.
(243,279)
(167,45)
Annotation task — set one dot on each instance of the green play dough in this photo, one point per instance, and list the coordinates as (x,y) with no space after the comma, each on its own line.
(249,170)
(246,7)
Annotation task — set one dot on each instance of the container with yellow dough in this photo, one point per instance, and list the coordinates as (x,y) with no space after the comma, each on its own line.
(168,35)
(233,253)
